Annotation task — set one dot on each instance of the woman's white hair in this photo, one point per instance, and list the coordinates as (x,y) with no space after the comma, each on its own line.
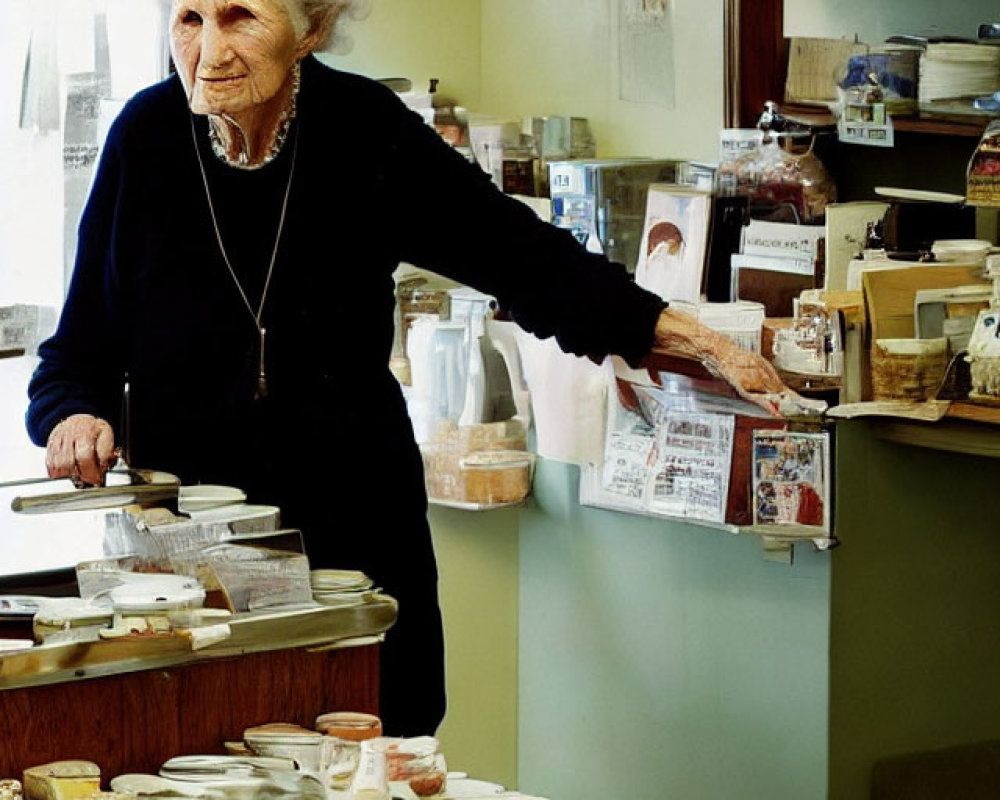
(333,13)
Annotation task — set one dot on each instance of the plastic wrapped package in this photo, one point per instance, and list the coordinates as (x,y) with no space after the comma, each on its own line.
(243,578)
(457,459)
(10,789)
(784,181)
(812,345)
(984,357)
(417,761)
(983,174)
(894,69)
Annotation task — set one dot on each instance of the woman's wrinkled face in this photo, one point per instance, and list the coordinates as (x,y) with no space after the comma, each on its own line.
(232,55)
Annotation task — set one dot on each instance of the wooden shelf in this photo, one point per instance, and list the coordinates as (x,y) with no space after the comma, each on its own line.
(940,127)
(820,120)
(456,504)
(975,412)
(971,430)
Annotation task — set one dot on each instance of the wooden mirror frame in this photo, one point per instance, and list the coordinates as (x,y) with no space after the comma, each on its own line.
(755,57)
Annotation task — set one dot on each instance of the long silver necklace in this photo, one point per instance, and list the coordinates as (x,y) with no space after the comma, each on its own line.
(261,392)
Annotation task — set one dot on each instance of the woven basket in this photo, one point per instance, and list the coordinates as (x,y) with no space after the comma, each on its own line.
(908,369)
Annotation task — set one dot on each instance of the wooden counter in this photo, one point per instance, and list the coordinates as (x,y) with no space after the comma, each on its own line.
(129,706)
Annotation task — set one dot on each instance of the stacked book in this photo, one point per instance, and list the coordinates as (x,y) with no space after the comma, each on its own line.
(953,74)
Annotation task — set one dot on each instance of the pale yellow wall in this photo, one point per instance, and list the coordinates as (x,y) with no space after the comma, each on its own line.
(419,40)
(477,560)
(556,57)
(541,57)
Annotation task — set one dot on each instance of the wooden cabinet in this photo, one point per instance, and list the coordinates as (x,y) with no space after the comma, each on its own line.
(134,722)
(128,706)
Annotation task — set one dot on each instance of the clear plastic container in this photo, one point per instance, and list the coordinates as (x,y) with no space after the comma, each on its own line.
(347,729)
(370,781)
(451,443)
(496,477)
(247,578)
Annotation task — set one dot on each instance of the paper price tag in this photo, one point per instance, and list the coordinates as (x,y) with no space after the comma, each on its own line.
(865,123)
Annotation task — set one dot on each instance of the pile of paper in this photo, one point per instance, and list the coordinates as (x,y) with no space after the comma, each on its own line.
(952,74)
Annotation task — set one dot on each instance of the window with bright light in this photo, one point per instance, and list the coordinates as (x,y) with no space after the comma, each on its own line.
(66,68)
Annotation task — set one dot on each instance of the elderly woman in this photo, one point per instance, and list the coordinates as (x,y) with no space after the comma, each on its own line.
(235,267)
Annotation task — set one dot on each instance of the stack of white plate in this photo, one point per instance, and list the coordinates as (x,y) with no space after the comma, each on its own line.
(212,777)
(212,768)
(202,497)
(335,587)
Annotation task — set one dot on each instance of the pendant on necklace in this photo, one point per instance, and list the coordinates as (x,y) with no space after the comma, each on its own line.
(261,392)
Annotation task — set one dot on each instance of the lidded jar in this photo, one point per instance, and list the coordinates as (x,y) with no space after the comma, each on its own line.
(346,730)
(351,726)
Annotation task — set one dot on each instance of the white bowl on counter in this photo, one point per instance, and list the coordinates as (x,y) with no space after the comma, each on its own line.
(961,251)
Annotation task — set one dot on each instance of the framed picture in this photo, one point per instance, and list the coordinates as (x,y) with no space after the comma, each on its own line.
(674,241)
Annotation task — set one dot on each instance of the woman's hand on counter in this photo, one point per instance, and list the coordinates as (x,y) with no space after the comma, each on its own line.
(750,374)
(81,447)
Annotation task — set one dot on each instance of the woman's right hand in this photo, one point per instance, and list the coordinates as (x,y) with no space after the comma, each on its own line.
(81,447)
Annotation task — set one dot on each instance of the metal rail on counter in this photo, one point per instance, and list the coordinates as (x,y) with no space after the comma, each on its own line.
(318,627)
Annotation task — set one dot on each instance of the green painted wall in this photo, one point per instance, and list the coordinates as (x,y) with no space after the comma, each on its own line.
(663,660)
(915,611)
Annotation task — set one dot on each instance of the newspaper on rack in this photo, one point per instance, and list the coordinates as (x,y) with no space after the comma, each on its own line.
(690,477)
(668,449)
(791,479)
